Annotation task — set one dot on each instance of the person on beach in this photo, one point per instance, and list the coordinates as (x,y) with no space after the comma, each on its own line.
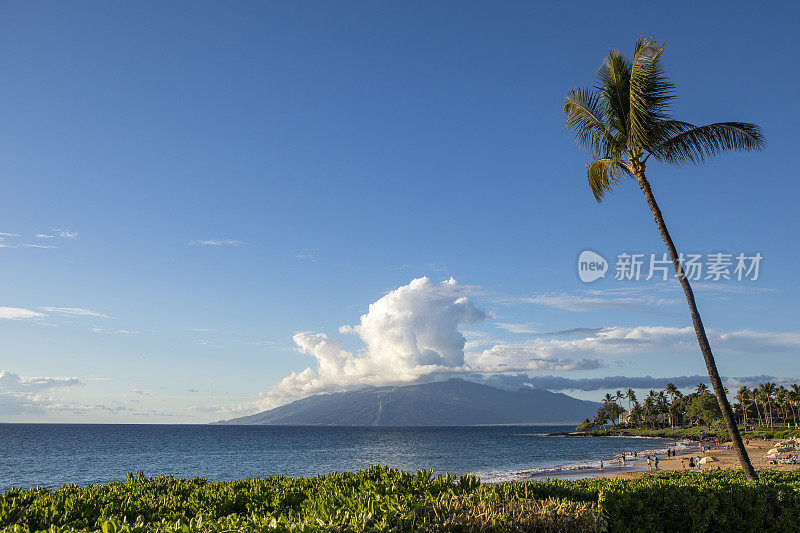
(691,462)
(601,465)
(649,464)
(655,461)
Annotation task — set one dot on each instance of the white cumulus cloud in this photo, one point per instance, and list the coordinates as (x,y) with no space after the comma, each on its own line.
(410,333)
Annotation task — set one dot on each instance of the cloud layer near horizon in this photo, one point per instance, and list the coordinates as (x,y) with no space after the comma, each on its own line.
(417,333)
(29,395)
(413,333)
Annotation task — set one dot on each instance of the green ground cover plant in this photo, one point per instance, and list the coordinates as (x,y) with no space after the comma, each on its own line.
(384,499)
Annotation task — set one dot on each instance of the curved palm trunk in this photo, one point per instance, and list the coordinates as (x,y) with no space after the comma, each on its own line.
(702,339)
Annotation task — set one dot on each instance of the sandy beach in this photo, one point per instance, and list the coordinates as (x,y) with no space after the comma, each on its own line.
(724,455)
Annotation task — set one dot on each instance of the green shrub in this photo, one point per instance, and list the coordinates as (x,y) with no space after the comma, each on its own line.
(383,499)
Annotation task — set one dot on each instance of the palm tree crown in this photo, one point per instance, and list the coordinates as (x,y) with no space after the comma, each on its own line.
(624,120)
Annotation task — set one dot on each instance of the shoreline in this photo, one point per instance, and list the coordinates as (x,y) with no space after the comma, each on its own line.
(723,458)
(612,466)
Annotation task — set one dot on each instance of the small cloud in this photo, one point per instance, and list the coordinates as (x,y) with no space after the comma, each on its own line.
(208,343)
(11,382)
(116,332)
(731,289)
(13,313)
(214,242)
(43,236)
(37,246)
(595,301)
(73,311)
(518,328)
(4,235)
(264,343)
(308,254)
(192,390)
(65,233)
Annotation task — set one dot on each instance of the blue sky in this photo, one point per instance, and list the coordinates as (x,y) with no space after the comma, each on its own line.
(214,180)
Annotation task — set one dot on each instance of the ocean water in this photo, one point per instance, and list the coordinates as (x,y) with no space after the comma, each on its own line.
(51,455)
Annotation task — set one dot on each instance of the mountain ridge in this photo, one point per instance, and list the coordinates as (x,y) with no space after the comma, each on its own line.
(454,402)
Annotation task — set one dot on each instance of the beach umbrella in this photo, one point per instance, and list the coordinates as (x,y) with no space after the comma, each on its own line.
(708,459)
(773,450)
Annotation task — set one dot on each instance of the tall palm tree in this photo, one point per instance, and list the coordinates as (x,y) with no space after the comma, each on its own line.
(743,395)
(673,391)
(768,391)
(758,396)
(794,394)
(631,395)
(624,122)
(782,399)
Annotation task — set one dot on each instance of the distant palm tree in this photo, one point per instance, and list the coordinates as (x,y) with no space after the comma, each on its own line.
(794,396)
(701,388)
(782,399)
(758,400)
(618,397)
(631,395)
(743,395)
(768,391)
(672,390)
(625,122)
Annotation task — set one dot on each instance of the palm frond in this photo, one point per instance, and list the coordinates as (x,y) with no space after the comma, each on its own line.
(650,93)
(614,85)
(586,115)
(603,174)
(693,145)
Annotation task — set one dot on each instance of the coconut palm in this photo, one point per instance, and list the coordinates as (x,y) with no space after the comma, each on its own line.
(768,391)
(701,388)
(758,396)
(672,390)
(743,395)
(623,123)
(782,399)
(631,396)
(794,395)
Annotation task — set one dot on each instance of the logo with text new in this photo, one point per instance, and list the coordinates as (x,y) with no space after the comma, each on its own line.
(591,266)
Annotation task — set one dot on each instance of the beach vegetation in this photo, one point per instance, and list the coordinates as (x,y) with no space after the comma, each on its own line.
(767,409)
(384,499)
